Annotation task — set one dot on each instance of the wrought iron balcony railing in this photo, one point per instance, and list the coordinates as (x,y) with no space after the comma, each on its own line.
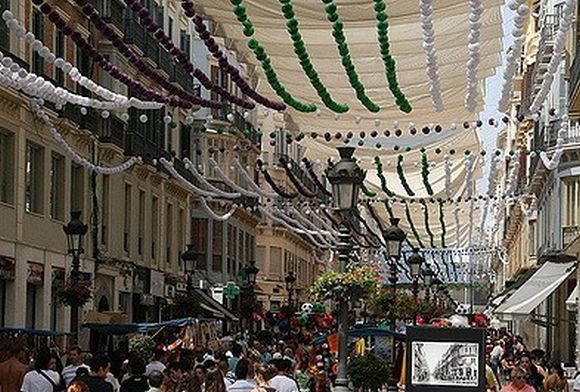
(569,235)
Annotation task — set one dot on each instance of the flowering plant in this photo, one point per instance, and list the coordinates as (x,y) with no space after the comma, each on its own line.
(358,281)
(142,346)
(74,294)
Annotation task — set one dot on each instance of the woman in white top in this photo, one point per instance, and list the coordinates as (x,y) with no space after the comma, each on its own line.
(42,378)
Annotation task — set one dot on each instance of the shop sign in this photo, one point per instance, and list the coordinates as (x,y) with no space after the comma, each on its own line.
(157,283)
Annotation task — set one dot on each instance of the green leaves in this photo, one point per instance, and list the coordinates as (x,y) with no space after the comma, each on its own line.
(402,177)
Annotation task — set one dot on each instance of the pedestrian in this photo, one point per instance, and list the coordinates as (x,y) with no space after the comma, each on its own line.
(199,374)
(507,365)
(137,381)
(12,370)
(77,386)
(155,381)
(518,381)
(244,380)
(160,358)
(222,365)
(556,382)
(95,380)
(75,361)
(214,381)
(496,354)
(533,377)
(281,381)
(263,374)
(42,378)
(173,376)
(236,355)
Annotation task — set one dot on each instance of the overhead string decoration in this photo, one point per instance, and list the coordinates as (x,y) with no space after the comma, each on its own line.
(250,181)
(388,60)
(447,168)
(327,226)
(284,223)
(275,187)
(514,54)
(474,47)
(213,215)
(229,182)
(557,55)
(442,222)
(303,189)
(426,17)
(72,72)
(171,169)
(71,154)
(209,186)
(261,55)
(325,237)
(292,26)
(349,67)
(553,163)
(222,59)
(314,177)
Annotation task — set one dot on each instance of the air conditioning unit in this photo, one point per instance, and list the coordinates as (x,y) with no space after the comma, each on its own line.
(181,287)
(169,291)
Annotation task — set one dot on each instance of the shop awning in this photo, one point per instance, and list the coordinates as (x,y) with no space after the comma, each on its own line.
(214,305)
(572,301)
(535,290)
(214,312)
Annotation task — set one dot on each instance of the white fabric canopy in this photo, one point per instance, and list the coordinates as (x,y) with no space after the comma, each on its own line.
(451,29)
(535,290)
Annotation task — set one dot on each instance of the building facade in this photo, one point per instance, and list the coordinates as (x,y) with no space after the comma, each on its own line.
(534,236)
(140,221)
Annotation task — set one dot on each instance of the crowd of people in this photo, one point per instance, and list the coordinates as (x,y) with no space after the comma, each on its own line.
(233,367)
(511,367)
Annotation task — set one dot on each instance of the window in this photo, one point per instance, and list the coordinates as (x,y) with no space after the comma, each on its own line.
(141,223)
(170,27)
(169,233)
(247,248)
(154,225)
(59,51)
(6,167)
(105,213)
(218,241)
(199,240)
(34,178)
(180,232)
(38,30)
(127,220)
(231,246)
(275,262)
(77,188)
(57,187)
(185,42)
(261,257)
(4,33)
(241,260)
(83,65)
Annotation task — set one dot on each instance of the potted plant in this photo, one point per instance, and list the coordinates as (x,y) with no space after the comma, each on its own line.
(142,346)
(74,294)
(369,372)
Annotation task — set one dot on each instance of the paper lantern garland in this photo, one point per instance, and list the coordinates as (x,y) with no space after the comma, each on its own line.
(426,17)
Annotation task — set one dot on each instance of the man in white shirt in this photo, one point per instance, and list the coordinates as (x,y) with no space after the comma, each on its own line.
(75,362)
(159,360)
(282,382)
(244,381)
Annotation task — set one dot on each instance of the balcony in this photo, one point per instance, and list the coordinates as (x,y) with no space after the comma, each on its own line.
(569,234)
(183,78)
(166,63)
(575,80)
(111,130)
(221,114)
(135,34)
(112,11)
(300,174)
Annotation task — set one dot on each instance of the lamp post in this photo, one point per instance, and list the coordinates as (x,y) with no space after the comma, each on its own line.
(75,231)
(290,279)
(428,277)
(250,273)
(189,258)
(415,263)
(394,236)
(345,178)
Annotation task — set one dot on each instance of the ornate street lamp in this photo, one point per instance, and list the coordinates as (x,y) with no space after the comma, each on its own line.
(75,231)
(189,259)
(251,272)
(394,236)
(345,177)
(290,279)
(416,261)
(428,277)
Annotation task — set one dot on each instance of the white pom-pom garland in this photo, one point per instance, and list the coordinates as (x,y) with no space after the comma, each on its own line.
(426,17)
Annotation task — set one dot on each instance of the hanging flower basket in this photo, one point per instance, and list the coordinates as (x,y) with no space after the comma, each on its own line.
(355,283)
(142,346)
(74,294)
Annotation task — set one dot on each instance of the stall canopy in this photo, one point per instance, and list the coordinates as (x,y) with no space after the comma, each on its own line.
(35,332)
(125,329)
(209,303)
(535,290)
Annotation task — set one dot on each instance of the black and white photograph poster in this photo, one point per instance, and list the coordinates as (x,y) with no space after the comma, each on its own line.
(445,364)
